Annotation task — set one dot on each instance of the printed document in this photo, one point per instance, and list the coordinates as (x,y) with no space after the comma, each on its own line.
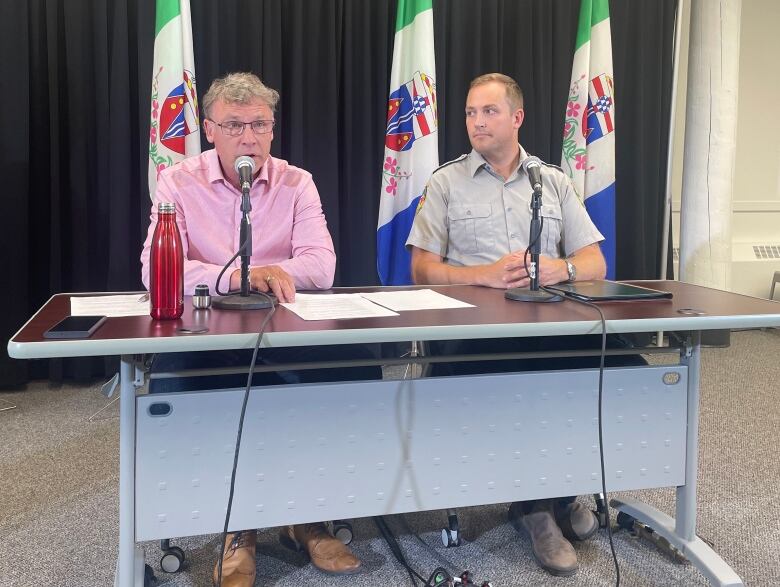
(136,304)
(335,307)
(417,299)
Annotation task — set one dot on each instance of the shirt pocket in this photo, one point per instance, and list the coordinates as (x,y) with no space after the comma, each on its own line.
(552,230)
(470,228)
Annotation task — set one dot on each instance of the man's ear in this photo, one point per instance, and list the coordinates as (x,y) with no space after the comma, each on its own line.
(208,128)
(518,117)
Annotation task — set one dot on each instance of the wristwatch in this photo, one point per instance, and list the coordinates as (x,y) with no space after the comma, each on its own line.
(571,270)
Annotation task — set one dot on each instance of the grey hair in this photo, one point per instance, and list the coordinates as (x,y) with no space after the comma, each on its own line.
(239,88)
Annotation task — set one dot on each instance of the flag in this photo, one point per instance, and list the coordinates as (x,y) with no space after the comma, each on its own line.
(174,130)
(588,155)
(411,143)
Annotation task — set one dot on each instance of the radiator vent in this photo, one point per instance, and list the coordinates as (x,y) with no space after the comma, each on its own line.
(767,251)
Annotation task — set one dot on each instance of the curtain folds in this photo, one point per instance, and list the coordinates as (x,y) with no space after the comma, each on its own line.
(77,78)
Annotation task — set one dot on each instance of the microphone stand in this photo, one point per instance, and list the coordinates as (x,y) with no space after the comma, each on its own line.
(534,294)
(245,300)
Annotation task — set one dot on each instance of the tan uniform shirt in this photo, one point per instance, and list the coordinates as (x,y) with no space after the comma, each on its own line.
(471,216)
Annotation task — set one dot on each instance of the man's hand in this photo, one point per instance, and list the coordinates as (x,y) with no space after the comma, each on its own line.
(269,278)
(550,271)
(508,271)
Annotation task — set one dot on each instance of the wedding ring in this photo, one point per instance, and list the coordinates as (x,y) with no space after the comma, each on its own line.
(269,279)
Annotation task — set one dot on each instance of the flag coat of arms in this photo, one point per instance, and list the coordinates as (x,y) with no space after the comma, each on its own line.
(411,142)
(588,155)
(174,129)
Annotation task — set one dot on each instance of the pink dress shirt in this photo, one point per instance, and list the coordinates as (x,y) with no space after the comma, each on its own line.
(288,225)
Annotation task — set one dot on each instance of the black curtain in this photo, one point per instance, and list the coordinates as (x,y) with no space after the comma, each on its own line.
(77,79)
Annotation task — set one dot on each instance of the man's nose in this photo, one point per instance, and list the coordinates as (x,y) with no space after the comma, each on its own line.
(248,135)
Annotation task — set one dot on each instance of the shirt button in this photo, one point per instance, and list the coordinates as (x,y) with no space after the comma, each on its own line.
(468,212)
(509,209)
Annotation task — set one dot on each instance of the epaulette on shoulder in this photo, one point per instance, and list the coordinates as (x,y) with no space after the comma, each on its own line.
(443,165)
(556,167)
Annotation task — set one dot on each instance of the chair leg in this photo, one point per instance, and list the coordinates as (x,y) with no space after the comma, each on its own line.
(601,509)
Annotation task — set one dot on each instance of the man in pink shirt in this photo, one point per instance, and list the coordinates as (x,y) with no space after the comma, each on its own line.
(292,249)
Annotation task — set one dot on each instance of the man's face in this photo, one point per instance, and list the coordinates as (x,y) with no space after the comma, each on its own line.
(491,122)
(257,146)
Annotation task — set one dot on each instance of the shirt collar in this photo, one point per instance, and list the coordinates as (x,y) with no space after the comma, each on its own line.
(477,161)
(215,169)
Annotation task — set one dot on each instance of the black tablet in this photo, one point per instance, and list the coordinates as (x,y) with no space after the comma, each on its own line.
(598,290)
(75,327)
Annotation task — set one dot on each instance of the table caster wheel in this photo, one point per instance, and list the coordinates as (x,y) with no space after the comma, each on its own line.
(343,531)
(149,578)
(451,536)
(172,560)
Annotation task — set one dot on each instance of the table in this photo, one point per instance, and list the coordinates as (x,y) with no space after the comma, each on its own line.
(494,438)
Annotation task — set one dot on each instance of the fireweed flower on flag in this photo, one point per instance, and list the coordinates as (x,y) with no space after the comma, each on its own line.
(588,154)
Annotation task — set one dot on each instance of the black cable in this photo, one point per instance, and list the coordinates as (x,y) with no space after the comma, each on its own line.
(224,268)
(395,548)
(238,434)
(601,429)
(447,564)
(528,250)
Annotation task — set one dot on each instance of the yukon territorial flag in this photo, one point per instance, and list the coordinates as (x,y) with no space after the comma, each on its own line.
(174,130)
(411,143)
(588,155)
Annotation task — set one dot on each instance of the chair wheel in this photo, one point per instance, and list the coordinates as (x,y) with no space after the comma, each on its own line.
(172,560)
(343,531)
(149,578)
(625,521)
(450,538)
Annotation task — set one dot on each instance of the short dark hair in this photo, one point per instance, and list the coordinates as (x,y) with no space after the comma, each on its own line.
(513,92)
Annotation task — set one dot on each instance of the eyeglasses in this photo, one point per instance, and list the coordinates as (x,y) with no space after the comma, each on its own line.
(235,128)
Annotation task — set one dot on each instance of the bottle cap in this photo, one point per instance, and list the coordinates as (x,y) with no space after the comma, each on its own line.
(201,299)
(166,207)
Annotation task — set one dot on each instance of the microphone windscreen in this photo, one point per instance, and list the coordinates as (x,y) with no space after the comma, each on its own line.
(531,161)
(533,167)
(244,161)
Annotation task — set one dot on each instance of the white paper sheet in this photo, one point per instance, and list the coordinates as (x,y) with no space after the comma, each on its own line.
(335,307)
(418,299)
(117,305)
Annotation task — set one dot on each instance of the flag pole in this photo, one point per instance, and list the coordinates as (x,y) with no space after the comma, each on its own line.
(678,21)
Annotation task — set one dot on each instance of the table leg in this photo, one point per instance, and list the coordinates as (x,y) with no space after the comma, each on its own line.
(681,531)
(127,563)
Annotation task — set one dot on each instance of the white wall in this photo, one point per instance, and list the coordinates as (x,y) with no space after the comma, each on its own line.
(756,198)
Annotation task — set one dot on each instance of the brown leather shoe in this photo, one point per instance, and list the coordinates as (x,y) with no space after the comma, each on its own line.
(552,551)
(238,560)
(326,552)
(575,520)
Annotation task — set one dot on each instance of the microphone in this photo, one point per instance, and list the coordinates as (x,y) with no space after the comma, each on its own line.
(245,167)
(533,167)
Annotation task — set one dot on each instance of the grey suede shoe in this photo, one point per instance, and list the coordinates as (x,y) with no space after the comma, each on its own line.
(552,551)
(575,520)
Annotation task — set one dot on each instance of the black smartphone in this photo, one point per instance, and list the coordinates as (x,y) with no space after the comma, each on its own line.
(75,327)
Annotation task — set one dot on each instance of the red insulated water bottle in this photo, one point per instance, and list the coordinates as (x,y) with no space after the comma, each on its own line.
(166,277)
